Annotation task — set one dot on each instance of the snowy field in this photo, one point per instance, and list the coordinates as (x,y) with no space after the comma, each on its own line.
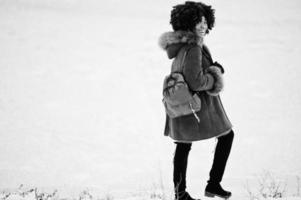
(80,95)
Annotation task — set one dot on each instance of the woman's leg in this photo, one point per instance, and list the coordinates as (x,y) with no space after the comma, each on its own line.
(180,167)
(222,151)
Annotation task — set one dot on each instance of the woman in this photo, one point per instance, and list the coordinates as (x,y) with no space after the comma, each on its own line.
(191,22)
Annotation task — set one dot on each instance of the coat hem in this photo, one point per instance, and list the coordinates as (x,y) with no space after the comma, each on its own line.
(219,135)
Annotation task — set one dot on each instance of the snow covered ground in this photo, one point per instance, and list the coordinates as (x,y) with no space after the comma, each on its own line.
(80,94)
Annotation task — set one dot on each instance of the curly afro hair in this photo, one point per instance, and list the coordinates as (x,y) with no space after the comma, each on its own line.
(185,16)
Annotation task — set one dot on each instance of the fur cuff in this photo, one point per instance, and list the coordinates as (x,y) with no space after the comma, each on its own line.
(218,80)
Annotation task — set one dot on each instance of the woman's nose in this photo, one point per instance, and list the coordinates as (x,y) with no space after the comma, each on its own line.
(203,27)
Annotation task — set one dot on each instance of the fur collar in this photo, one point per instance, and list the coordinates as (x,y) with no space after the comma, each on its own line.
(175,37)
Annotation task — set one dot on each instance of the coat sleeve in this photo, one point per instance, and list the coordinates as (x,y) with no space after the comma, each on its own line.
(193,71)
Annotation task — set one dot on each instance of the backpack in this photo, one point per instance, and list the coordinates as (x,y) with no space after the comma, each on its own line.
(178,99)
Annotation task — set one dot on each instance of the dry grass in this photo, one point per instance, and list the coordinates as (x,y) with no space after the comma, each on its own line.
(269,186)
(35,194)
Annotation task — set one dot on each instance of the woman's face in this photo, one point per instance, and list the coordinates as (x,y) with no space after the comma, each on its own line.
(201,27)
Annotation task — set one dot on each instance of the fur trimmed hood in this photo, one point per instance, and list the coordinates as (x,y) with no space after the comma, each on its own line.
(175,37)
(173,41)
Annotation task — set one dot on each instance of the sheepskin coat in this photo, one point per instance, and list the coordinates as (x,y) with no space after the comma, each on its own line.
(203,78)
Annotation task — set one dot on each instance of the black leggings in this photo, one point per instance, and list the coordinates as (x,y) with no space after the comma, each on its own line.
(222,151)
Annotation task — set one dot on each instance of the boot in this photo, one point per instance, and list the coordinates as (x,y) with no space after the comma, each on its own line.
(184,196)
(212,190)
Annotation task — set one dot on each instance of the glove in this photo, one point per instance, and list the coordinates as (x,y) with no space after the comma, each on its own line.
(219,66)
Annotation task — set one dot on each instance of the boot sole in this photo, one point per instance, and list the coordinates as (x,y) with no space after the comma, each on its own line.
(211,195)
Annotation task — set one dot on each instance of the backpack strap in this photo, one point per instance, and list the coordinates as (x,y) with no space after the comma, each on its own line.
(183,51)
(179,61)
(183,60)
